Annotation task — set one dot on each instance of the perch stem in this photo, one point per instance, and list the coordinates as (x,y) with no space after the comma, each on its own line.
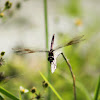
(73,76)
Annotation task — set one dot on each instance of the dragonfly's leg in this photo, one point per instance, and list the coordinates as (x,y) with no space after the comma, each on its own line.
(73,76)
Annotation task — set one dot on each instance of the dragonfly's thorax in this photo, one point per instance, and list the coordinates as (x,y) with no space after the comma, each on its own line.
(50,56)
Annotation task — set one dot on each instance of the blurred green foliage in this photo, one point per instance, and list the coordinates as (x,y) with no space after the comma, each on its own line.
(73,7)
(83,57)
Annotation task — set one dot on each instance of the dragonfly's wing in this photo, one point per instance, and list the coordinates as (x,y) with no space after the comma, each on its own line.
(26,51)
(73,41)
(53,66)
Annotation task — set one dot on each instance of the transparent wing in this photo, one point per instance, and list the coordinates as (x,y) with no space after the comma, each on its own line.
(53,66)
(26,51)
(73,41)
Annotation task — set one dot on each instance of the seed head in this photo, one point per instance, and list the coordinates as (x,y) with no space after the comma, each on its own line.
(2,53)
(38,96)
(44,84)
(8,5)
(33,90)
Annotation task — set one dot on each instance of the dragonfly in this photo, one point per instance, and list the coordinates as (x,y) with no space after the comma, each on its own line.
(51,56)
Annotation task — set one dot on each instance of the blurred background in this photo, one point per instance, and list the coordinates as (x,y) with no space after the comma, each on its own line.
(23,26)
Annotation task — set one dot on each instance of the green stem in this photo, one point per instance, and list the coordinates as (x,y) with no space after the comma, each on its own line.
(20,96)
(46,34)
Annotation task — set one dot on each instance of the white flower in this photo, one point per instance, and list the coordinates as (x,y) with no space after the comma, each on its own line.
(23,90)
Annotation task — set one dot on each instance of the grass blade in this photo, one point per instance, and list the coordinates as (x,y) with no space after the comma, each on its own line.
(78,84)
(56,93)
(97,90)
(8,94)
(46,34)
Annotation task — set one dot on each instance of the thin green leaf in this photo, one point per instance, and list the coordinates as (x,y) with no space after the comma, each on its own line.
(8,94)
(56,93)
(97,90)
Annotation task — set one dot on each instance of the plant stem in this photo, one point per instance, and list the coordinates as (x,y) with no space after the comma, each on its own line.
(73,76)
(46,34)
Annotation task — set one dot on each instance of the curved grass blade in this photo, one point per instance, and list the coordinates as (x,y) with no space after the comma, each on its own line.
(52,88)
(78,84)
(8,94)
(97,90)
